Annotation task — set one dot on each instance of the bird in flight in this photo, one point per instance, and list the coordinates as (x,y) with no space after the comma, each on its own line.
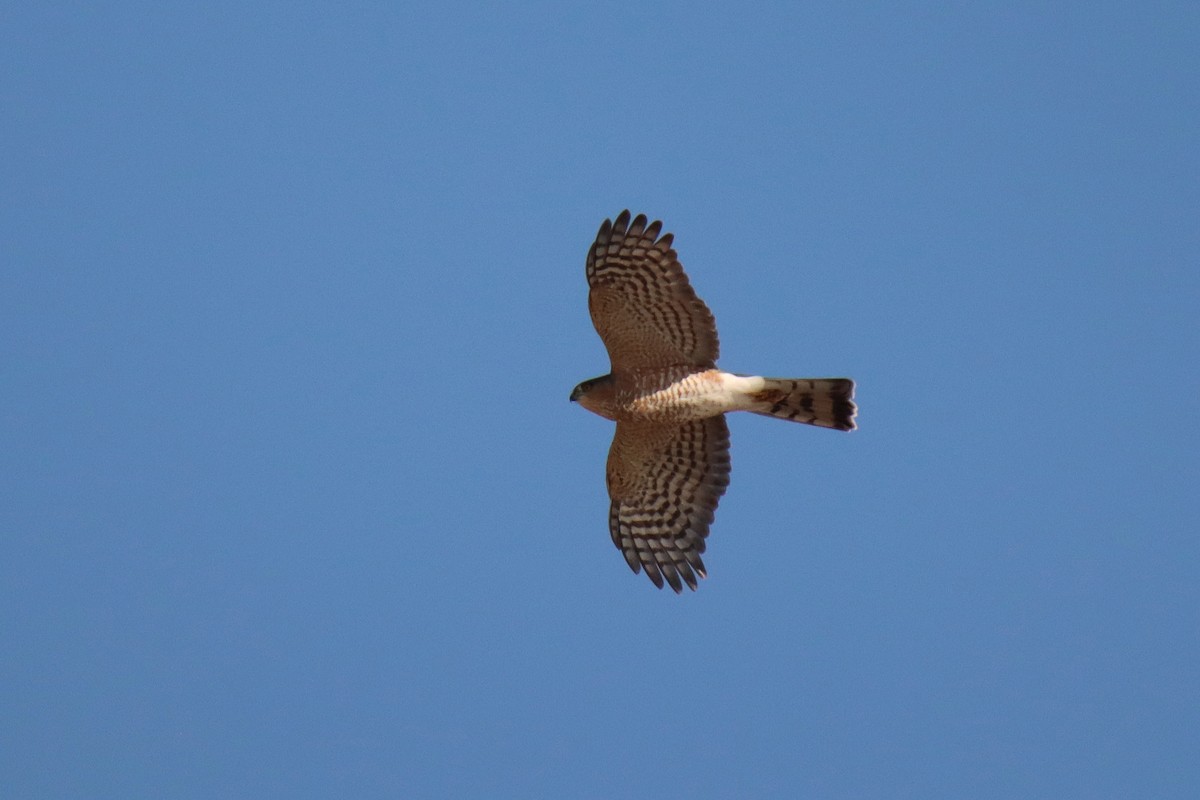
(669,461)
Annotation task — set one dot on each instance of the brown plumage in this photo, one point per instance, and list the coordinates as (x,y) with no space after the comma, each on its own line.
(669,461)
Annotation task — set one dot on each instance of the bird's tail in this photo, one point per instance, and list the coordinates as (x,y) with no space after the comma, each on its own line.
(827,402)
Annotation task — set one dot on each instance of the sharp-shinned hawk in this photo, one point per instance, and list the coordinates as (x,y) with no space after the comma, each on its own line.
(669,461)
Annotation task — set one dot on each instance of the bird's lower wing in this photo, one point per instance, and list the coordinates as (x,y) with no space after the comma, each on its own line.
(665,481)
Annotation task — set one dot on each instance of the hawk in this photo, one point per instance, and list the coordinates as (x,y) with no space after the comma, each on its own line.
(669,461)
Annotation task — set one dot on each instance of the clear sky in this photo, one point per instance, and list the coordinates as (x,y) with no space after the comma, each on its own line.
(293,502)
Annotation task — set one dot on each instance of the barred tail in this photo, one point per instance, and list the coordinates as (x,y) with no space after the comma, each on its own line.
(827,402)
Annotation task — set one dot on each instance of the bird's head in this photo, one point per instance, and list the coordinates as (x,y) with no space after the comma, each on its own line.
(585,387)
(595,395)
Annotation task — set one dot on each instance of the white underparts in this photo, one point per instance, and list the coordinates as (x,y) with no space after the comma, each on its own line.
(700,395)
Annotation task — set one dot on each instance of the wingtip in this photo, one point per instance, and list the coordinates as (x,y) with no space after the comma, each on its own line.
(605,232)
(626,223)
(637,228)
(672,576)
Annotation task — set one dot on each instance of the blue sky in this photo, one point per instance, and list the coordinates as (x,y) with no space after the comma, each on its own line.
(292,500)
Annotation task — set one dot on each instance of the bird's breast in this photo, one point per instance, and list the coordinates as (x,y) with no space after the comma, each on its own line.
(672,394)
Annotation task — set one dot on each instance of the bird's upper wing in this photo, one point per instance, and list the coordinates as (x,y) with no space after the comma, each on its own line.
(641,302)
(665,482)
